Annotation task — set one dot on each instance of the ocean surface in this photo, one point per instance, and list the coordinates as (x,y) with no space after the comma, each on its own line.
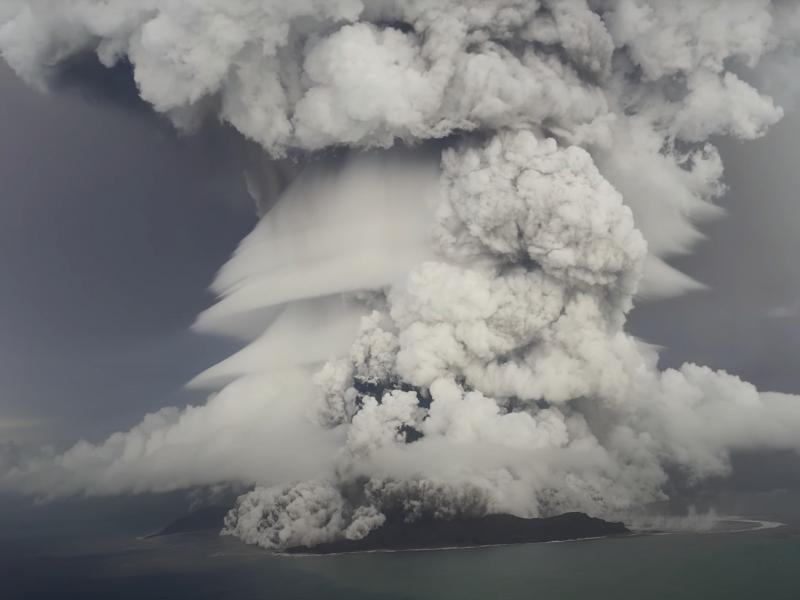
(762,563)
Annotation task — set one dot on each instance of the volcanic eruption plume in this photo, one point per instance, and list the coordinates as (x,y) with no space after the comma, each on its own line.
(434,308)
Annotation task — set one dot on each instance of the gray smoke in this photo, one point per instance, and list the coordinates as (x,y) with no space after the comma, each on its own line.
(434,308)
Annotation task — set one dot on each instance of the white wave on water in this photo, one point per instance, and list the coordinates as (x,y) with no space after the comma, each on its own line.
(699,524)
(754,524)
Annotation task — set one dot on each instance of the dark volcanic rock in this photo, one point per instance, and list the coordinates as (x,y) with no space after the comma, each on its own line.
(204,519)
(483,531)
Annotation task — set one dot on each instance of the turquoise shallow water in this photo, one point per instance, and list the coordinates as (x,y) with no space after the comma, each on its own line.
(758,564)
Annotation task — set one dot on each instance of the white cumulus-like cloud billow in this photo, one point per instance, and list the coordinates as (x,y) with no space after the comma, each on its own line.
(435,307)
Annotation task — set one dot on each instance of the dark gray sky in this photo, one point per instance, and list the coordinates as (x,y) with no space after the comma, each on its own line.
(748,322)
(112,226)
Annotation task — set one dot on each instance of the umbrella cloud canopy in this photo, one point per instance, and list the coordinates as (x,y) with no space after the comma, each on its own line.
(433,312)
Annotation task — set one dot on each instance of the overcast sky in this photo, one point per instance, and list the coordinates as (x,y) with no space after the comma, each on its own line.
(112,227)
(747,321)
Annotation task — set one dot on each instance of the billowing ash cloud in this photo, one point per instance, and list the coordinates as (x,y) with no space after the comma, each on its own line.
(435,309)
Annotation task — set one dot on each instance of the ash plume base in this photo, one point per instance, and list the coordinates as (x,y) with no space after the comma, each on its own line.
(434,307)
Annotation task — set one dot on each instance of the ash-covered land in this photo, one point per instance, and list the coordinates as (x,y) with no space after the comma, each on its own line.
(490,530)
(430,533)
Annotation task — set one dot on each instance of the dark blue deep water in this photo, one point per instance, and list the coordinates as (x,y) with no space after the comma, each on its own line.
(744,565)
(757,564)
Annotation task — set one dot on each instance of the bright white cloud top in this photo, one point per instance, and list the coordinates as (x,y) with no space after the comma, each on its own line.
(436,305)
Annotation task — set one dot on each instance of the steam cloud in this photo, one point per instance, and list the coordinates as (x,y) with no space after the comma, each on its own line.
(435,306)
